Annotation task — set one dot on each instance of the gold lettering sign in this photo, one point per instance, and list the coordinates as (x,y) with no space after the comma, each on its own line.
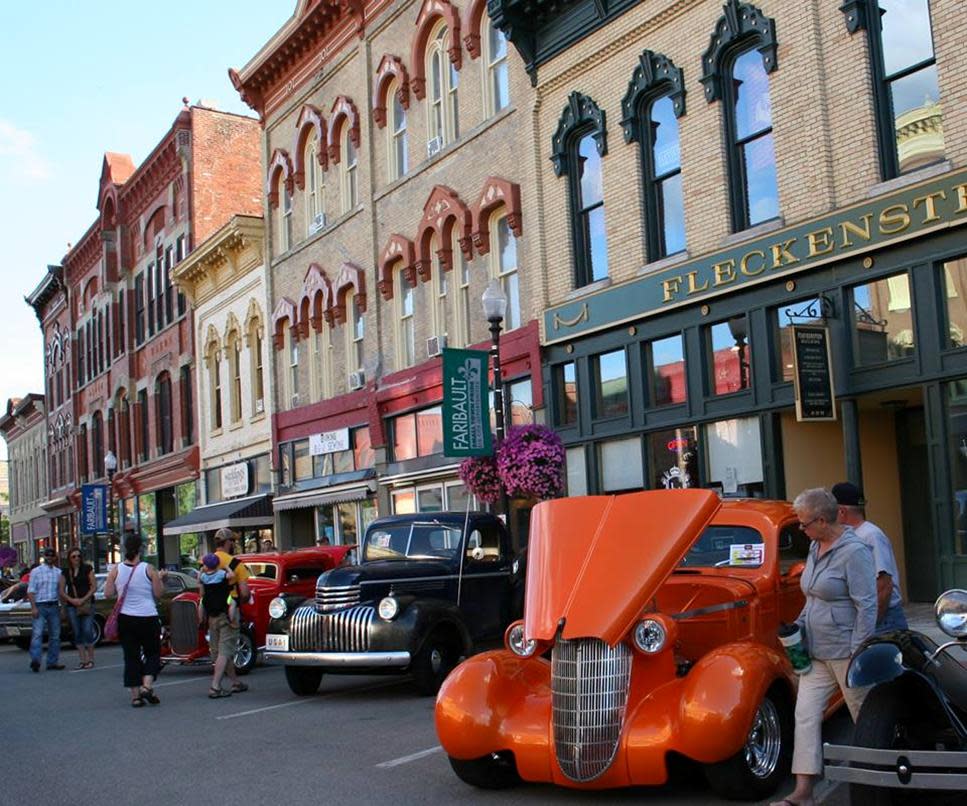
(894,219)
(747,257)
(928,199)
(724,272)
(820,241)
(849,227)
(781,255)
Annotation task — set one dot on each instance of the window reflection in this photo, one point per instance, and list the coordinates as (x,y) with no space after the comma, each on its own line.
(592,246)
(612,385)
(883,320)
(567,394)
(664,181)
(621,468)
(955,286)
(802,312)
(673,458)
(957,427)
(668,371)
(731,356)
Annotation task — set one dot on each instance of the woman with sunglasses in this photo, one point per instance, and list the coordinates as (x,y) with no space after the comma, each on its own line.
(77,588)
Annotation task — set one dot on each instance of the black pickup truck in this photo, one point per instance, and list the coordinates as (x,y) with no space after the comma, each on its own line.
(428,588)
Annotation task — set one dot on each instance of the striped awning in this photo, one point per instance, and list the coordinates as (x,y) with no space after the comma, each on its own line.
(255,511)
(318,498)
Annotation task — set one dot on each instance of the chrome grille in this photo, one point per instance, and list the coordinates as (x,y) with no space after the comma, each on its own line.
(345,631)
(589,686)
(183,624)
(331,598)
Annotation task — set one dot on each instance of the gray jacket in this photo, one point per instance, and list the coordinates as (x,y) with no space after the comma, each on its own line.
(840,589)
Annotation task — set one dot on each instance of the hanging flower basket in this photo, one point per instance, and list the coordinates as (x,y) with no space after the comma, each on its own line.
(479,474)
(531,462)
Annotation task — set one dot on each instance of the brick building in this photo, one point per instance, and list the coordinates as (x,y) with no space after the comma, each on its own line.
(712,175)
(125,331)
(24,429)
(399,159)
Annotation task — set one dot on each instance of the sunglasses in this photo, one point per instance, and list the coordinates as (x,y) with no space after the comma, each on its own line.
(805,526)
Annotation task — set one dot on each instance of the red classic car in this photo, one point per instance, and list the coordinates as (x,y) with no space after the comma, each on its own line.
(650,628)
(272,573)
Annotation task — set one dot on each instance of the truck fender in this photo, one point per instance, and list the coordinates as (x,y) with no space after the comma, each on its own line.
(720,696)
(875,663)
(428,614)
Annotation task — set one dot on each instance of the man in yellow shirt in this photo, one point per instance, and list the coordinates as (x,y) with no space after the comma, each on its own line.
(225,540)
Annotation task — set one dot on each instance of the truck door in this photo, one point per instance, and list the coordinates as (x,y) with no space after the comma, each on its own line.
(485,590)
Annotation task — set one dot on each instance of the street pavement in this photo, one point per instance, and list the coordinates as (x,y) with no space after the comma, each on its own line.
(72,737)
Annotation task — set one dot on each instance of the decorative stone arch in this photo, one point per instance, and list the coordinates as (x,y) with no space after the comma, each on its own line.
(430,12)
(232,326)
(443,211)
(88,293)
(178,198)
(154,224)
(279,165)
(343,113)
(253,320)
(316,300)
(352,277)
(109,208)
(390,69)
(310,119)
(284,312)
(472,23)
(213,345)
(496,193)
(740,25)
(397,249)
(580,113)
(655,77)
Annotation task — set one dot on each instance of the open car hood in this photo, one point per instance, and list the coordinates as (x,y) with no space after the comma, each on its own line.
(596,561)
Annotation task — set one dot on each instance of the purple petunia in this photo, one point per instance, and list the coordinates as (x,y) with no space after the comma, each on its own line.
(531,462)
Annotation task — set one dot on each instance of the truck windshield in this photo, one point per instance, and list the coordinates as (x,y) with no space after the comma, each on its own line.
(732,546)
(424,541)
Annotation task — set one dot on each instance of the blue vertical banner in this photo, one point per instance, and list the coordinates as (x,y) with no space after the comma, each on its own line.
(466,409)
(93,509)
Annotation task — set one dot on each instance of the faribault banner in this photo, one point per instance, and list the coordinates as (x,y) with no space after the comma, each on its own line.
(466,420)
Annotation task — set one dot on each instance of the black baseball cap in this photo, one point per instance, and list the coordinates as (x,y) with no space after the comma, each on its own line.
(48,552)
(848,494)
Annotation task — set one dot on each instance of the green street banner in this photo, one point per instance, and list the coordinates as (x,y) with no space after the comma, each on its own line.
(466,420)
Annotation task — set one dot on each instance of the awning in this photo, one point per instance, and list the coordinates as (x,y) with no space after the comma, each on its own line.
(318,498)
(254,511)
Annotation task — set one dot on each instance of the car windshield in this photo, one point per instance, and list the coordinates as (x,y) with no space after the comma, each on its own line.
(263,570)
(426,541)
(732,546)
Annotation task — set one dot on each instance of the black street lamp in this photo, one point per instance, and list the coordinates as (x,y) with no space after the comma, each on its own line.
(110,467)
(738,327)
(495,308)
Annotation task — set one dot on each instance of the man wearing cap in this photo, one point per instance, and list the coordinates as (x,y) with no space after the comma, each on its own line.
(43,590)
(852,512)
(225,540)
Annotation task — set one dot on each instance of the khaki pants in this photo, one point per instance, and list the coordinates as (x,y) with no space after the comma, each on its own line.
(222,639)
(815,689)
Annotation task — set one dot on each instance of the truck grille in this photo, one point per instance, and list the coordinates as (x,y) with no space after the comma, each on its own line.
(330,598)
(345,631)
(183,618)
(589,686)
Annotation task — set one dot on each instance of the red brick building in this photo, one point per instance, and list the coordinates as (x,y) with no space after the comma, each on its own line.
(128,332)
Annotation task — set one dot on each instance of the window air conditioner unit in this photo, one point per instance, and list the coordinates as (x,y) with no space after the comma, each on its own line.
(357,380)
(259,406)
(435,346)
(318,223)
(433,146)
(295,400)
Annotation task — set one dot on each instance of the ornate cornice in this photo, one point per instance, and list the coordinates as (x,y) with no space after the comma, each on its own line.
(581,112)
(655,77)
(739,25)
(242,233)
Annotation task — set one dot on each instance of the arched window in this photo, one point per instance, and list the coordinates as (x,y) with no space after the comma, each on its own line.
(124,431)
(496,80)
(443,79)
(215,385)
(355,331)
(405,322)
(291,345)
(97,445)
(397,141)
(441,288)
(503,267)
(165,423)
(321,363)
(459,332)
(284,216)
(235,376)
(315,201)
(347,167)
(256,348)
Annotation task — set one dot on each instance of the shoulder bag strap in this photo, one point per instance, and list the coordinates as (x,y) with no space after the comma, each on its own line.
(128,585)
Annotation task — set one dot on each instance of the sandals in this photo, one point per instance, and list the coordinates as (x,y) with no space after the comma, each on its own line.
(218,693)
(88,664)
(137,702)
(238,688)
(149,695)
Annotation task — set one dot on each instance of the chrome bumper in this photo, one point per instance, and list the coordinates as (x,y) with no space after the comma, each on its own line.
(901,769)
(361,660)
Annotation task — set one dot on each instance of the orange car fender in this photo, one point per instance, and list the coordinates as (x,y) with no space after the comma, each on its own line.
(720,696)
(498,701)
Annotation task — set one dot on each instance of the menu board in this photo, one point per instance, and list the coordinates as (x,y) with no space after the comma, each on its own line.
(813,374)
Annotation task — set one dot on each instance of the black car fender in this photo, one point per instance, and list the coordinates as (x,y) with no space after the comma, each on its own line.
(416,620)
(281,625)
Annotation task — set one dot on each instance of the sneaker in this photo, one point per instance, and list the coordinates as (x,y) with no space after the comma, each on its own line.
(35,665)
(55,667)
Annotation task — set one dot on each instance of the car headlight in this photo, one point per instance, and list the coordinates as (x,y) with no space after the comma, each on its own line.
(277,608)
(951,613)
(650,636)
(517,643)
(388,608)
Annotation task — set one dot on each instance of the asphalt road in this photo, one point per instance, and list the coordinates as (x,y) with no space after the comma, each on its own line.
(72,737)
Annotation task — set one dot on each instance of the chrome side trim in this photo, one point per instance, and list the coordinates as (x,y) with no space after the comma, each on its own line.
(702,611)
(340,659)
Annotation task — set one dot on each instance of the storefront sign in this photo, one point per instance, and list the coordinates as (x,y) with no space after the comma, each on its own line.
(235,480)
(93,509)
(812,374)
(329,442)
(936,204)
(466,420)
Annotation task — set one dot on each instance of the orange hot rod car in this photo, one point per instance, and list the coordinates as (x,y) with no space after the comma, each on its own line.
(650,628)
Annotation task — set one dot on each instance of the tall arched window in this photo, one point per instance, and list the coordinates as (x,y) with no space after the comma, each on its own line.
(355,332)
(97,445)
(406,324)
(348,169)
(496,80)
(165,423)
(292,373)
(321,363)
(397,141)
(460,330)
(441,288)
(315,202)
(503,268)
(284,216)
(215,386)
(256,348)
(443,79)
(234,345)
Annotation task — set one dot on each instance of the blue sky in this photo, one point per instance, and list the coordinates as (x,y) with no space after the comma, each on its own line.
(81,78)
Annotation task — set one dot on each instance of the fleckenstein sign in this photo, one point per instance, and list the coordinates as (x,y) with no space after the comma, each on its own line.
(914,211)
(466,411)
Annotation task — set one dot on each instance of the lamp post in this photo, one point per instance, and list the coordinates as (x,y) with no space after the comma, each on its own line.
(110,467)
(495,308)
(738,327)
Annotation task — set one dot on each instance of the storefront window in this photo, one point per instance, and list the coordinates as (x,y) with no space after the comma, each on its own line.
(261,470)
(404,437)
(364,456)
(322,465)
(190,546)
(129,513)
(957,412)
(520,402)
(430,500)
(346,513)
(611,386)
(883,320)
(213,485)
(303,460)
(404,502)
(285,460)
(577,471)
(458,499)
(149,527)
(417,434)
(673,458)
(566,387)
(368,512)
(326,525)
(803,312)
(731,355)
(667,363)
(342,462)
(735,457)
(620,462)
(955,286)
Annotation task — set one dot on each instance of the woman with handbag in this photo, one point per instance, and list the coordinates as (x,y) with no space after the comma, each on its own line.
(77,588)
(137,586)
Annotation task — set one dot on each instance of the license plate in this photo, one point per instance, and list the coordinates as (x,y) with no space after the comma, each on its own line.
(9,632)
(279,643)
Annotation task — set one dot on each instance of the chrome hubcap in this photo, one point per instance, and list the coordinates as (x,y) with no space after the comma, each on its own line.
(436,660)
(764,743)
(243,652)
